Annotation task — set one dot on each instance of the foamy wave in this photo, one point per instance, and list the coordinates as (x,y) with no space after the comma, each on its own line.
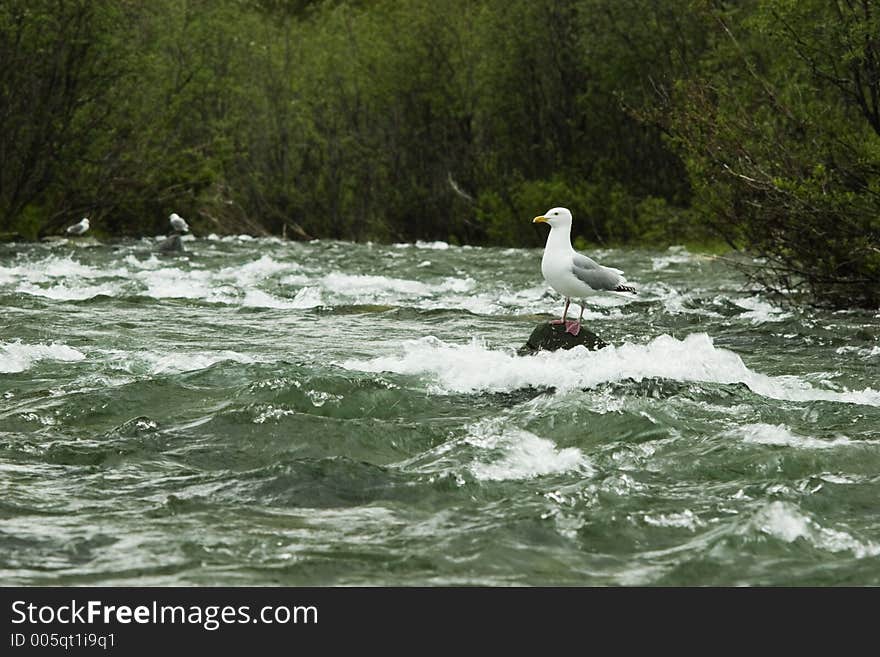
(433,246)
(677,255)
(674,302)
(256,270)
(213,237)
(52,267)
(60,278)
(779,434)
(760,311)
(63,278)
(307,297)
(174,283)
(473,367)
(68,292)
(272,414)
(861,352)
(357,285)
(159,363)
(523,455)
(18,357)
(450,292)
(150,263)
(260,299)
(686,519)
(788,523)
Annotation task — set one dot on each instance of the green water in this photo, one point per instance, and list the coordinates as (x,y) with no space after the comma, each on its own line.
(262,412)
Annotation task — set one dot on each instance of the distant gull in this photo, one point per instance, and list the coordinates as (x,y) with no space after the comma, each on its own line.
(80,228)
(573,275)
(178,223)
(173,243)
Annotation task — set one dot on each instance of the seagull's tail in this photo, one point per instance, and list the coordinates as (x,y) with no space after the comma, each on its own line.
(625,288)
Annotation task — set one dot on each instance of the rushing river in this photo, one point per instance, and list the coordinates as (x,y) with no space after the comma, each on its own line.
(266,412)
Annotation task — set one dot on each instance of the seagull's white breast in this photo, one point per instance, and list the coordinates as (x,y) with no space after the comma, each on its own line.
(556,266)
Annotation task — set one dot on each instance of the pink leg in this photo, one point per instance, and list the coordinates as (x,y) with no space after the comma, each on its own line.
(564,313)
(575,327)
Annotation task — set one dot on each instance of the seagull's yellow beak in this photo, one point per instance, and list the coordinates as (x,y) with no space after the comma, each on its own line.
(539,220)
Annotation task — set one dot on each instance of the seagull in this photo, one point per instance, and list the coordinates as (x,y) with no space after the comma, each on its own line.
(573,275)
(178,223)
(80,228)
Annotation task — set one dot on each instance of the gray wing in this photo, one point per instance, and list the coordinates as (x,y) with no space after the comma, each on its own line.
(595,275)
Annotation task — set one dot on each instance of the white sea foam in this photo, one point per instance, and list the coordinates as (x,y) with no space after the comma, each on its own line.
(51,267)
(473,367)
(62,292)
(150,263)
(531,296)
(523,455)
(780,434)
(256,270)
(786,522)
(60,278)
(862,352)
(676,255)
(19,357)
(55,267)
(307,297)
(434,246)
(686,519)
(674,302)
(170,363)
(371,287)
(272,414)
(296,280)
(503,452)
(214,237)
(450,292)
(760,311)
(63,278)
(260,299)
(175,283)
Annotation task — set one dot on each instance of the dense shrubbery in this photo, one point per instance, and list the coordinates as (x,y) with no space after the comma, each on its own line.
(392,119)
(654,120)
(780,133)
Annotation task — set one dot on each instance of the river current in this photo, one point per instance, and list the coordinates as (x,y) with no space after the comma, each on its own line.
(264,412)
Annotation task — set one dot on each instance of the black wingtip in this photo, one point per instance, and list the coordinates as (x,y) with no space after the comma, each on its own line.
(625,288)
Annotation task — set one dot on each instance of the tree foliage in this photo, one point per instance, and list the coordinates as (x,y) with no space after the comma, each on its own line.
(780,136)
(654,120)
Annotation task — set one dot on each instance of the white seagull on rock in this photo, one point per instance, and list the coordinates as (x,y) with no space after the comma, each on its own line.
(573,275)
(80,228)
(178,223)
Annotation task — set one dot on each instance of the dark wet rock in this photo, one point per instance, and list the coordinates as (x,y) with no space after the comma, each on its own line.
(550,337)
(171,244)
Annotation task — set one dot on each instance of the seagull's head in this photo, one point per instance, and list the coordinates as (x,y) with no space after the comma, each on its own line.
(84,222)
(556,217)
